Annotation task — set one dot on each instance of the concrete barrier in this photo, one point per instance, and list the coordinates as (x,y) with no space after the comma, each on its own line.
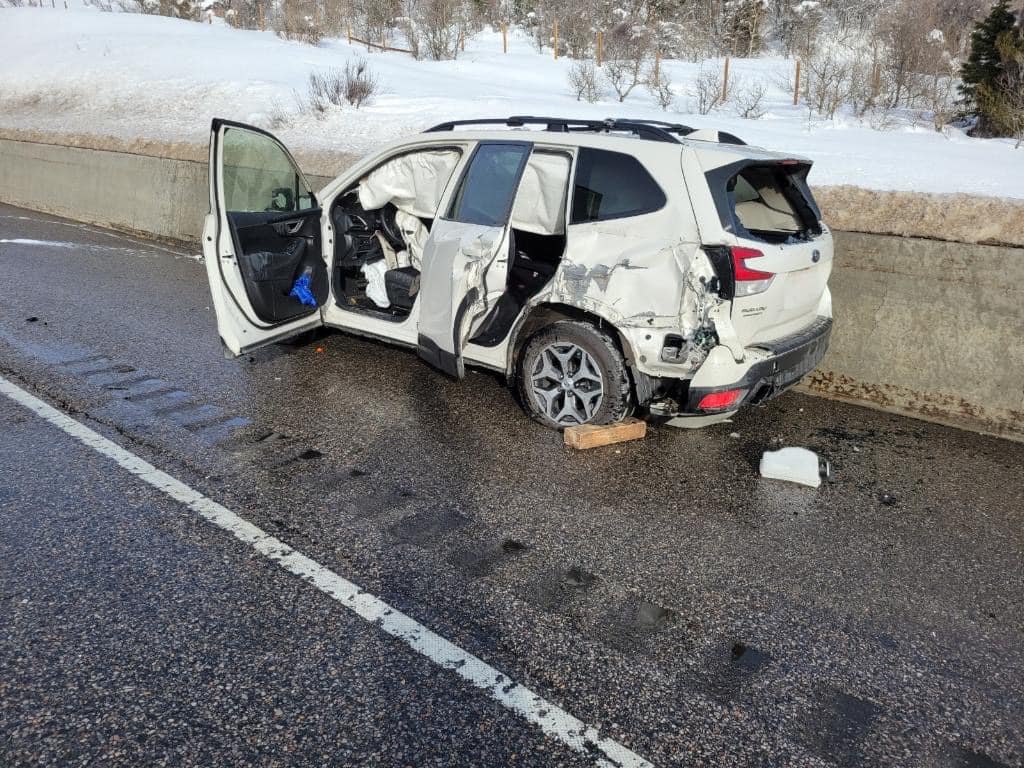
(928,329)
(925,328)
(153,196)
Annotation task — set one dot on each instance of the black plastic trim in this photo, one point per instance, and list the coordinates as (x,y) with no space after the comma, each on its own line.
(652,130)
(793,358)
(444,361)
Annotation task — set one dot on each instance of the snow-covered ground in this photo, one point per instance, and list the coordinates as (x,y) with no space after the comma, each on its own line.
(133,76)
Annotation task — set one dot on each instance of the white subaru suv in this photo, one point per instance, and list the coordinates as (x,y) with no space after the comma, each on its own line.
(604,267)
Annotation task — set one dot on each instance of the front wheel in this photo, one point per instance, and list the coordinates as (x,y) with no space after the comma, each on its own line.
(573,373)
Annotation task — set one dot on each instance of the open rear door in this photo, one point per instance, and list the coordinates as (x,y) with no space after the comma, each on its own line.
(462,259)
(261,240)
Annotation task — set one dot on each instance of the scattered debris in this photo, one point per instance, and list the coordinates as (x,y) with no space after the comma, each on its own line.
(318,350)
(795,465)
(593,436)
(32,319)
(888,499)
(734,435)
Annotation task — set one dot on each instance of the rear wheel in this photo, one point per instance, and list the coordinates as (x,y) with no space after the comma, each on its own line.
(573,373)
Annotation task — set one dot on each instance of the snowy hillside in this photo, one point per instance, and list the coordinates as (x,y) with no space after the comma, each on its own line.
(135,76)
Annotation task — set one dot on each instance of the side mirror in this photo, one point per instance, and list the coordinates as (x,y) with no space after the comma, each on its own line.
(282,199)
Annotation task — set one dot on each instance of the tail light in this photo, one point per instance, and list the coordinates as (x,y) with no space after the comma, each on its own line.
(719,401)
(749,281)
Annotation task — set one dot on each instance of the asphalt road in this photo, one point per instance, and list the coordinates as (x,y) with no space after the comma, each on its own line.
(659,591)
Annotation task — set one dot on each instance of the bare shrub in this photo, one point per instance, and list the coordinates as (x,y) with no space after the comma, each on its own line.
(706,90)
(628,48)
(298,21)
(744,26)
(355,85)
(440,24)
(748,99)
(659,85)
(585,81)
(623,76)
(360,84)
(828,74)
(411,32)
(375,17)
(325,90)
(177,9)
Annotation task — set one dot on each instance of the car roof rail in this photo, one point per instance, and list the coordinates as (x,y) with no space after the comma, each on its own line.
(653,130)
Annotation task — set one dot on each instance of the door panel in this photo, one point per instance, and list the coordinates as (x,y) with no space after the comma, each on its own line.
(272,255)
(463,249)
(262,240)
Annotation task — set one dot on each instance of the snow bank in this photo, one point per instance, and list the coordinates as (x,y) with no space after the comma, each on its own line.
(147,78)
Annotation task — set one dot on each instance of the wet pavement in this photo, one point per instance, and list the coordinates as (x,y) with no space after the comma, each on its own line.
(657,590)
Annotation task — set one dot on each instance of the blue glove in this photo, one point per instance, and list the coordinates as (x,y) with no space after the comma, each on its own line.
(301,290)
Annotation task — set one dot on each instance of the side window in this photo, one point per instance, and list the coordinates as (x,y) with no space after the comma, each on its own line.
(258,175)
(612,185)
(489,184)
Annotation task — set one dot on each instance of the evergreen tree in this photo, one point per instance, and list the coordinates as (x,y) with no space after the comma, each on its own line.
(984,64)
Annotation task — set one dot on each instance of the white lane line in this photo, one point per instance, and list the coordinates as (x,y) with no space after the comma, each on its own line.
(552,719)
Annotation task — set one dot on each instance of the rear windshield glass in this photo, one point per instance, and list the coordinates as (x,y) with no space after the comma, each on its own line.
(772,203)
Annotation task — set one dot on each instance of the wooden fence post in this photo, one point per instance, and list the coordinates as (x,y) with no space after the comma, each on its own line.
(350,35)
(796,85)
(504,37)
(383,42)
(600,46)
(555,26)
(462,39)
(725,80)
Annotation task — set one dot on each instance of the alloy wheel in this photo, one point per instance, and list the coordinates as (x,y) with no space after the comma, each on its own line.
(566,383)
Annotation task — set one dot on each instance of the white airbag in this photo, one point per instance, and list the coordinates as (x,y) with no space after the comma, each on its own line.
(376,290)
(413,183)
(540,202)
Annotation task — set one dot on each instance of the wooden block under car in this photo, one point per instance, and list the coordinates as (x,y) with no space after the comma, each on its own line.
(594,436)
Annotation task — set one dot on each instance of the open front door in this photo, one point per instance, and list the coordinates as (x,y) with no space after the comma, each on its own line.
(463,263)
(261,240)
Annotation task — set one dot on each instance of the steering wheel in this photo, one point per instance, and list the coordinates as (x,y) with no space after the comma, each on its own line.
(389,227)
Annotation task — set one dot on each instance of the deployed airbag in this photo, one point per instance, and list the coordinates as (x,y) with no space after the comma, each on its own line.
(540,203)
(413,183)
(376,290)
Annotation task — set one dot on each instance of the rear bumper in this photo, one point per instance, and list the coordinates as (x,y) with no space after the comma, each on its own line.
(787,361)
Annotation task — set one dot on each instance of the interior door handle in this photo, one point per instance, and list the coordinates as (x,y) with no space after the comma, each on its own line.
(289,227)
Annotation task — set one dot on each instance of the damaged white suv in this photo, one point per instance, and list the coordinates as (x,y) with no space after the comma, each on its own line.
(604,267)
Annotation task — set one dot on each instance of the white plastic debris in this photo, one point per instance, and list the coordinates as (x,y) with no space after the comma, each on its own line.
(795,465)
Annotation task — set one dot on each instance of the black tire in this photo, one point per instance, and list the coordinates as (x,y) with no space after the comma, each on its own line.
(303,338)
(616,400)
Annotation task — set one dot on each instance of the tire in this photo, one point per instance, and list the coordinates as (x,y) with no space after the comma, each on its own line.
(303,338)
(571,373)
